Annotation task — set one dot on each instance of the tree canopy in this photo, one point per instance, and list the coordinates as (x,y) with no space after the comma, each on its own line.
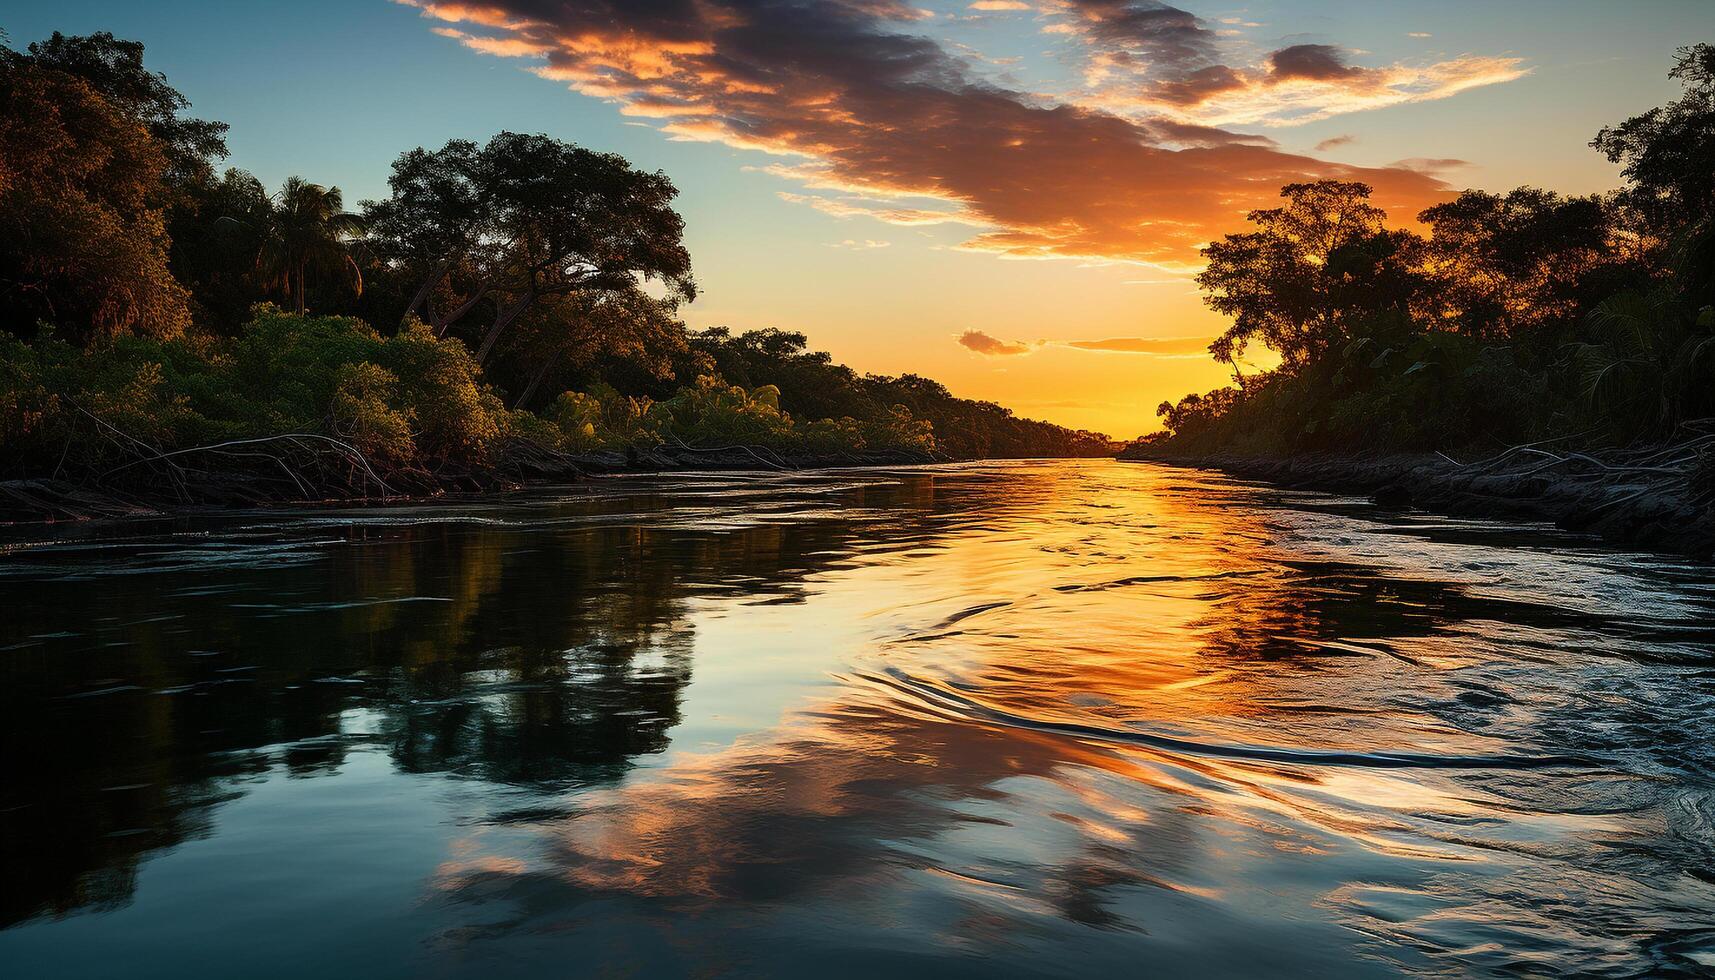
(1520,315)
(1313,262)
(522,218)
(83,199)
(114,68)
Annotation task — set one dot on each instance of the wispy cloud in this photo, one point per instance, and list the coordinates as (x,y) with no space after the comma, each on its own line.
(1145,58)
(989,346)
(1146,345)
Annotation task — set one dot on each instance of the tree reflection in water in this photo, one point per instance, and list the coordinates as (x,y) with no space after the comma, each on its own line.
(622,697)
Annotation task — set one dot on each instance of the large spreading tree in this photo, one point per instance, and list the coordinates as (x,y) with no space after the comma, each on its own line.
(1296,283)
(502,227)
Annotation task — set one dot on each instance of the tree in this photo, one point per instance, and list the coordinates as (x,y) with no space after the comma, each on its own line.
(308,231)
(1668,153)
(1311,264)
(1507,264)
(217,231)
(620,327)
(83,239)
(1668,156)
(114,68)
(521,219)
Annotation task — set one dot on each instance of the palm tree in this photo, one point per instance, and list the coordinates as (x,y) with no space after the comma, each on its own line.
(309,231)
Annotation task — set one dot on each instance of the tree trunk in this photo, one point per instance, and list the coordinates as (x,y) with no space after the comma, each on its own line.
(298,294)
(536,381)
(459,311)
(502,320)
(428,286)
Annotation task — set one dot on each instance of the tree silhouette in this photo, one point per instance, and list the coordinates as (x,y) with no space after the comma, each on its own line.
(1293,282)
(1668,155)
(308,231)
(1505,265)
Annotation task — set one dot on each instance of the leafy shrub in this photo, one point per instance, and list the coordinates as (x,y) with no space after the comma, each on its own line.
(457,416)
(401,400)
(363,412)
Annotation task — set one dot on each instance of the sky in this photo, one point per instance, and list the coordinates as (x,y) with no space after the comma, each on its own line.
(1005,195)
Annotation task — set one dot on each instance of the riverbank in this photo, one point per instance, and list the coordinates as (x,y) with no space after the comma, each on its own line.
(189,490)
(1658,501)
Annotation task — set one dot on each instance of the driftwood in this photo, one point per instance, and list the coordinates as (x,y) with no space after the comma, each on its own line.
(1659,496)
(310,467)
(141,478)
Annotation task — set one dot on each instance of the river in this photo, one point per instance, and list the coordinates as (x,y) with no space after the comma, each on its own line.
(1002,719)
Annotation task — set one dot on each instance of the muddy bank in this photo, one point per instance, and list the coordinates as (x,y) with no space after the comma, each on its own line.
(1637,500)
(39,500)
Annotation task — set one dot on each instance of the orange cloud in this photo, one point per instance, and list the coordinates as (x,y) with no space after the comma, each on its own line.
(981,343)
(879,114)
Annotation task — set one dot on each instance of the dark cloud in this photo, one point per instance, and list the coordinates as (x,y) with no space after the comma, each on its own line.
(1169,38)
(1315,62)
(1334,142)
(982,343)
(1198,86)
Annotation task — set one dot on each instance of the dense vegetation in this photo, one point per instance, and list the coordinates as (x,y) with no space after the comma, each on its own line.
(1514,318)
(505,301)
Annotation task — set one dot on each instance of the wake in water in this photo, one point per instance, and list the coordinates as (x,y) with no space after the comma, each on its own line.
(957,705)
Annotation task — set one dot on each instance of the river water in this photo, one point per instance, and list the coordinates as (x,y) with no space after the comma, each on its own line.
(1033,719)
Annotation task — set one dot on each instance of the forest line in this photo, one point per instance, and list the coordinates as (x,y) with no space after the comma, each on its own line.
(508,307)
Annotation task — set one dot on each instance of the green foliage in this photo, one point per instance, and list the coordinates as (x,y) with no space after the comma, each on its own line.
(712,414)
(409,400)
(457,416)
(82,210)
(812,386)
(365,411)
(1391,387)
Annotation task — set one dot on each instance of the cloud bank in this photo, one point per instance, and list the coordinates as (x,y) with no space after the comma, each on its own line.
(875,120)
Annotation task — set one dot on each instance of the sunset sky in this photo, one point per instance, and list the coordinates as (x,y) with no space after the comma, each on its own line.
(1005,195)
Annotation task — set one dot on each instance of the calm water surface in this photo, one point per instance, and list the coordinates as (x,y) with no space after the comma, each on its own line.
(1080,718)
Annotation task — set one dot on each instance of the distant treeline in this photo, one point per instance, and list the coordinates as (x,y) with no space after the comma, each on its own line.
(519,293)
(1514,318)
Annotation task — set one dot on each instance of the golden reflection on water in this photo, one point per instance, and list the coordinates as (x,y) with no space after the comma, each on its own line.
(1071,713)
(1039,610)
